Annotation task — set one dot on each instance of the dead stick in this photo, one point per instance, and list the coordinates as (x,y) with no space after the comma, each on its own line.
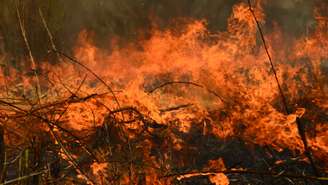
(51,124)
(46,120)
(90,71)
(51,39)
(108,87)
(300,127)
(69,155)
(23,178)
(59,53)
(111,91)
(69,100)
(23,31)
(169,109)
(187,83)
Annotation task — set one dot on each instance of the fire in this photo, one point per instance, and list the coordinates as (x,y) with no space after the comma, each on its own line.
(221,81)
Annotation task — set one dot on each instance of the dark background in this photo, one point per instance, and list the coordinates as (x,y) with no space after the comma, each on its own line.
(128,19)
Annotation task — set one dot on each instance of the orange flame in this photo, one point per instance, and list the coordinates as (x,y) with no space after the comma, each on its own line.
(230,65)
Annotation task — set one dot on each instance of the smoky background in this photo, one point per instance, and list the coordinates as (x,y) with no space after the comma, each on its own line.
(129,20)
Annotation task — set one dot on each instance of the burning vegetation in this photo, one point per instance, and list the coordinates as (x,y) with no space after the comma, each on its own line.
(179,105)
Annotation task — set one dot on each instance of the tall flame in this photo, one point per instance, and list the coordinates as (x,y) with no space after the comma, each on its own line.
(222,76)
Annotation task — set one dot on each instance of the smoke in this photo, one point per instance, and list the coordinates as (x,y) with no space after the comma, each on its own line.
(295,17)
(130,19)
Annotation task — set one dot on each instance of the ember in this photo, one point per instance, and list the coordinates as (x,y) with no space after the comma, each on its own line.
(179,104)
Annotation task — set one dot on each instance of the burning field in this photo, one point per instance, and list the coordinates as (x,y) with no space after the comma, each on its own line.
(180,104)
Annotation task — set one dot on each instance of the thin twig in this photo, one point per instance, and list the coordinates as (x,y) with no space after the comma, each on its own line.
(108,87)
(94,74)
(51,39)
(147,122)
(68,154)
(90,71)
(46,120)
(283,98)
(187,83)
(63,112)
(54,48)
(50,125)
(34,68)
(70,100)
(300,127)
(169,109)
(24,177)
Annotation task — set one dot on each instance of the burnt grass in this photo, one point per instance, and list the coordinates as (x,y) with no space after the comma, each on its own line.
(152,148)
